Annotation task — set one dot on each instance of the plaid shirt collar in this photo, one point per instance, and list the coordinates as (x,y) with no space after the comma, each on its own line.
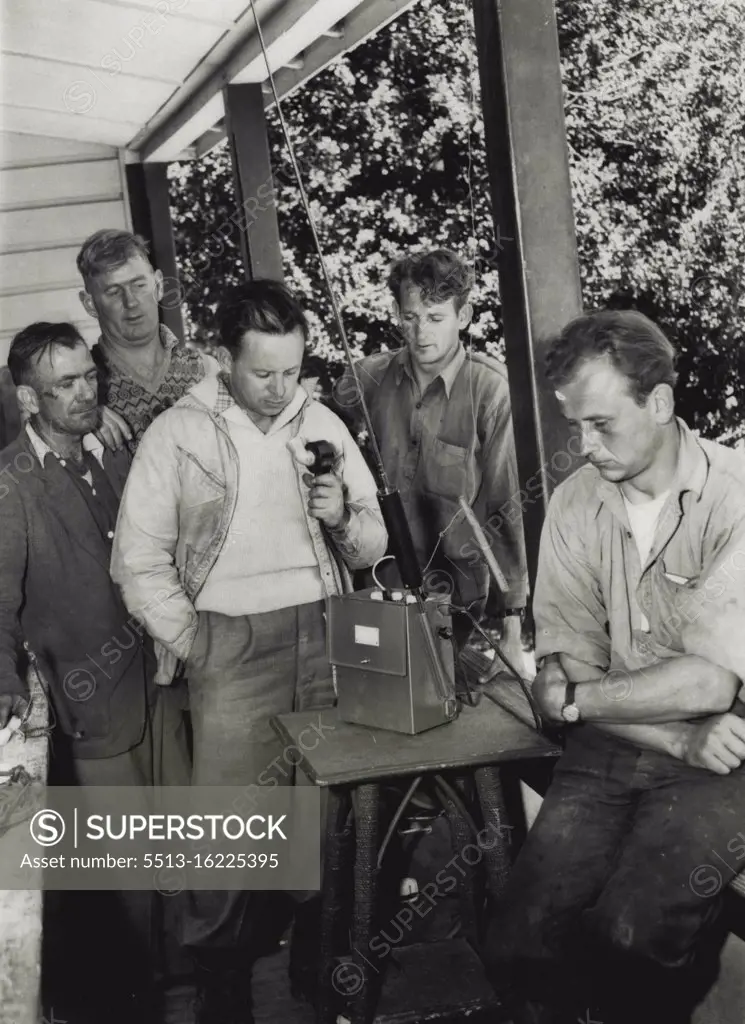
(224,399)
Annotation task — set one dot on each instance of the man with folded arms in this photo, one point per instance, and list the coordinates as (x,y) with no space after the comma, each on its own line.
(616,896)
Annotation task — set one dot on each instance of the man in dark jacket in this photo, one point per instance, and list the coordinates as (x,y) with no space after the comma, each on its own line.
(59,499)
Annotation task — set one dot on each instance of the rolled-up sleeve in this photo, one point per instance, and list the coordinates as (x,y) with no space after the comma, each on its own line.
(712,611)
(569,613)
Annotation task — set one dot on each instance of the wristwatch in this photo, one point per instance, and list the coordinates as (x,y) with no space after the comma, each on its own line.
(569,710)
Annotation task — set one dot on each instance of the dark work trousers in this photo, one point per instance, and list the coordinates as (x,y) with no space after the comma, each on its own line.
(112,940)
(615,897)
(242,671)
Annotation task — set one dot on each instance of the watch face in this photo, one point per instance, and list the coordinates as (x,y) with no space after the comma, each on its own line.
(570,713)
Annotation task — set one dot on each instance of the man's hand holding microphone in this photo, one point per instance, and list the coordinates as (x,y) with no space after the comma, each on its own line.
(326,491)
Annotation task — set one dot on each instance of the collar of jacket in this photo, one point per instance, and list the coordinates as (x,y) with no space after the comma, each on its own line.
(210,397)
(25,458)
(50,491)
(214,395)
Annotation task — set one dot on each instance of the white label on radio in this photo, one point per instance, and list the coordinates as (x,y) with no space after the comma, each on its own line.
(367,635)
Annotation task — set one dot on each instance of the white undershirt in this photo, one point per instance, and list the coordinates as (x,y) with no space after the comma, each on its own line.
(643,520)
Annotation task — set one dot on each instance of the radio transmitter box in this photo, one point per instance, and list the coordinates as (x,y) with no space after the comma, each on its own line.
(382,663)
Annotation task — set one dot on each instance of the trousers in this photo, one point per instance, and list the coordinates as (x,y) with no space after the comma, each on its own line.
(615,897)
(112,941)
(242,671)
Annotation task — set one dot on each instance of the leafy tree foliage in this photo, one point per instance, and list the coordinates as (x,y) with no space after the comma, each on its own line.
(655,121)
(390,139)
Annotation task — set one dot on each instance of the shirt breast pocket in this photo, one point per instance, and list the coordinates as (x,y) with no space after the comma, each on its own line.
(447,470)
(678,572)
(675,602)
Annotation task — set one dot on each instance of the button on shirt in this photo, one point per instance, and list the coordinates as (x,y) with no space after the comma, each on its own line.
(97,493)
(454,439)
(90,443)
(592,586)
(643,519)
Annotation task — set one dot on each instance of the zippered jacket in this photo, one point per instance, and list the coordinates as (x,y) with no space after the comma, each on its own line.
(178,505)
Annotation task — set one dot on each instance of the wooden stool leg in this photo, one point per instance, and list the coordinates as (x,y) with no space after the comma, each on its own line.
(332,897)
(367,826)
(496,845)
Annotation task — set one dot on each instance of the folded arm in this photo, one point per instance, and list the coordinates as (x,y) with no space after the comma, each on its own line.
(716,743)
(673,690)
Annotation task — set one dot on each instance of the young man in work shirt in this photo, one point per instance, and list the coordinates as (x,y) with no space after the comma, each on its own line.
(442,418)
(639,608)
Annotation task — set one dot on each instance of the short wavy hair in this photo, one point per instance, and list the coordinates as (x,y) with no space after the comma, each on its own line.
(635,345)
(439,274)
(261,305)
(108,249)
(30,345)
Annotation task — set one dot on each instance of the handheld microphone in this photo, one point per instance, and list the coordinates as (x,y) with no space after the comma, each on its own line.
(324,457)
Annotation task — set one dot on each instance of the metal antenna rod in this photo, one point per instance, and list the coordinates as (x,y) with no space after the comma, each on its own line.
(390,499)
(383,476)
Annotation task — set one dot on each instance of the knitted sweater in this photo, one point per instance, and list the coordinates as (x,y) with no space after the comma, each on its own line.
(137,400)
(267,561)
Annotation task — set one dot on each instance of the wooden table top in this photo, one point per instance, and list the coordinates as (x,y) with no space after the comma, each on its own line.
(333,753)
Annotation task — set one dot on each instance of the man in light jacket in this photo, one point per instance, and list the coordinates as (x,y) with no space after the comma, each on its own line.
(219,513)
